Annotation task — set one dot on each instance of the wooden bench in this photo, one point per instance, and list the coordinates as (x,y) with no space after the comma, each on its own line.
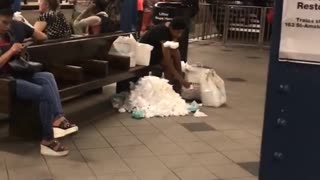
(80,65)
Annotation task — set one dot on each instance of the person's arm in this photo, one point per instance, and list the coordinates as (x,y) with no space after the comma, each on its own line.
(34,33)
(169,64)
(40,26)
(39,36)
(15,49)
(85,13)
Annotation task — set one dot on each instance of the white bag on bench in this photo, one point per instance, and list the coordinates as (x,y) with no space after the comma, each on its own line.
(125,46)
(143,54)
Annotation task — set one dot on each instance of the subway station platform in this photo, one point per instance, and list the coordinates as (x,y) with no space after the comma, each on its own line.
(112,146)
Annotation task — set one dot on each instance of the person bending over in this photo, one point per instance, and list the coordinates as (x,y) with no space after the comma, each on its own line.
(168,57)
(52,21)
(39,87)
(94,20)
(94,24)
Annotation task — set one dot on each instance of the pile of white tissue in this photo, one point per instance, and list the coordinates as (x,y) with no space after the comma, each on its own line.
(156,97)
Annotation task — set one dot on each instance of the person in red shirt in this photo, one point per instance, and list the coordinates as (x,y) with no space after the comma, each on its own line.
(268,26)
(147,14)
(270,15)
(140,15)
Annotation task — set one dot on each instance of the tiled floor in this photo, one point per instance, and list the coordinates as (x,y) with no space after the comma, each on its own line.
(112,146)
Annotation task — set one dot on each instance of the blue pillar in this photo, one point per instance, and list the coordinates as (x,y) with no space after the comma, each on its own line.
(290,145)
(128,15)
(16,6)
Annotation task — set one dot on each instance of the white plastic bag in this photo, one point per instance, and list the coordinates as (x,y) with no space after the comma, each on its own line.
(125,46)
(213,91)
(17,16)
(192,72)
(192,93)
(143,54)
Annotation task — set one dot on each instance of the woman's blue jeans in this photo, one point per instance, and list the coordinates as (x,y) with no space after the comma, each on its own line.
(42,88)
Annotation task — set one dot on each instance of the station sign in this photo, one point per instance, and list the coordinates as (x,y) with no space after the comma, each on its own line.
(300,31)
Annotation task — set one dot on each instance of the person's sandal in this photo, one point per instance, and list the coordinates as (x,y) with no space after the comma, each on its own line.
(64,128)
(54,148)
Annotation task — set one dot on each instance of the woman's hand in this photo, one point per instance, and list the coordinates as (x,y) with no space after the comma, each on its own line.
(17,48)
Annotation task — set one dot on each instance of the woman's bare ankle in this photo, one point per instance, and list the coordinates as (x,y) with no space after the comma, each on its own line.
(58,121)
(46,142)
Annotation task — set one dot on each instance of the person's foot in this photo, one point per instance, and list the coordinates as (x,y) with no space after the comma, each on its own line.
(53,148)
(64,128)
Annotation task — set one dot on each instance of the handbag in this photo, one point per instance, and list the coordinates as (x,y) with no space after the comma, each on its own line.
(20,64)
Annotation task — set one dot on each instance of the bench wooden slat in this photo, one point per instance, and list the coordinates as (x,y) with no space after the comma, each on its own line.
(113,77)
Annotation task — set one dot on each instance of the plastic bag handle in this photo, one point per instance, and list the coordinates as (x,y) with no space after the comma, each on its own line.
(198,64)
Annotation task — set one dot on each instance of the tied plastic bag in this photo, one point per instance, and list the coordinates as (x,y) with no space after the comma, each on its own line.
(193,72)
(193,107)
(125,46)
(143,54)
(118,100)
(213,92)
(192,93)
(137,114)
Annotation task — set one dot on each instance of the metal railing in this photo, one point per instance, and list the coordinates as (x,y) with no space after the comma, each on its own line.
(204,25)
(232,24)
(246,25)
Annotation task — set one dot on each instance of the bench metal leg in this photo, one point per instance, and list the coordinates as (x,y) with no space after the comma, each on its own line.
(124,86)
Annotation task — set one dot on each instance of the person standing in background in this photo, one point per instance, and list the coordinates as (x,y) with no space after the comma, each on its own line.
(16,6)
(140,15)
(147,14)
(52,21)
(128,20)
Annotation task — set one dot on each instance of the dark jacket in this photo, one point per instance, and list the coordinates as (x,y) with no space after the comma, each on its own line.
(194,5)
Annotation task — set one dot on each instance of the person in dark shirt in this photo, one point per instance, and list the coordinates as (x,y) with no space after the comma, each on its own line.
(52,21)
(169,58)
(38,87)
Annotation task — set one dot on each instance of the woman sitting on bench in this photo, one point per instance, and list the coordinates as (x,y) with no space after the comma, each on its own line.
(39,87)
(94,20)
(52,21)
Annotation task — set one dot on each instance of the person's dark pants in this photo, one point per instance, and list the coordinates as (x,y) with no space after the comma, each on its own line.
(42,88)
(16,6)
(139,22)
